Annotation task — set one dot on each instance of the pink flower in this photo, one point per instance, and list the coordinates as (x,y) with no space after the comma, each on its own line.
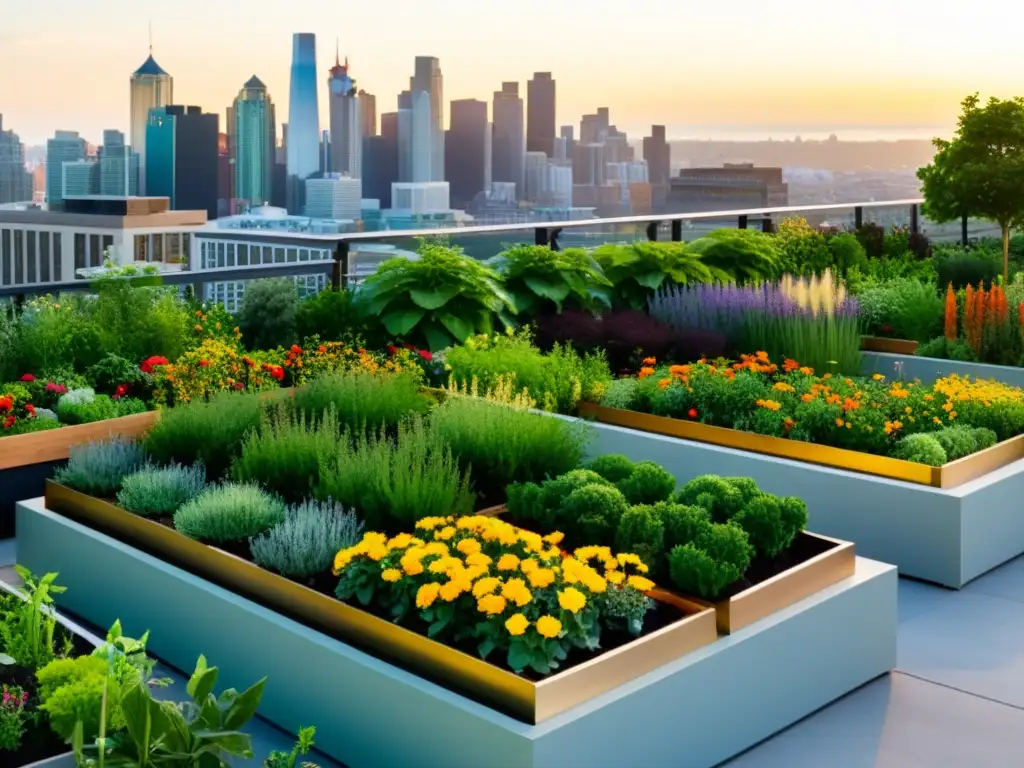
(58,389)
(28,377)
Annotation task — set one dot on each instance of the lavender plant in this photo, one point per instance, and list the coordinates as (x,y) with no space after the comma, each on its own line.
(97,468)
(307,541)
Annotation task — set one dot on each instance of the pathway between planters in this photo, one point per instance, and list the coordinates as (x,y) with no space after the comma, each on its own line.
(955,700)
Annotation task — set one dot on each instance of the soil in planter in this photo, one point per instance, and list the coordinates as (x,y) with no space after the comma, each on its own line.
(802,549)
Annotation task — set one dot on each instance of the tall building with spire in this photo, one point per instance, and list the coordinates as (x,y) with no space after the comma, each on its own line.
(346,121)
(252,135)
(428,78)
(150,87)
(303,151)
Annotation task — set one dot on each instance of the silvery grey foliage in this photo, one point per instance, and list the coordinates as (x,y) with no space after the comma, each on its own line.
(307,541)
(80,396)
(98,467)
(160,491)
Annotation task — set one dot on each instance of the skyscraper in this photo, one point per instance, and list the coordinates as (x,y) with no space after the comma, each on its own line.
(65,146)
(303,120)
(381,160)
(182,158)
(466,156)
(508,149)
(346,121)
(540,114)
(252,135)
(149,87)
(658,155)
(428,78)
(119,166)
(368,106)
(15,181)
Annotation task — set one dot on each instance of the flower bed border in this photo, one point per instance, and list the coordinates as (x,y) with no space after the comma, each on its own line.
(930,369)
(884,344)
(950,475)
(759,681)
(528,701)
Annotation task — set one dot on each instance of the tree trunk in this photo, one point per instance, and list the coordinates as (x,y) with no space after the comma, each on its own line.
(1006,253)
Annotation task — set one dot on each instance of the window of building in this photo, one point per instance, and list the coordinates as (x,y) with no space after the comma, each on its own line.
(30,256)
(108,245)
(279,255)
(5,256)
(243,255)
(58,258)
(158,248)
(19,257)
(221,250)
(95,251)
(80,261)
(141,248)
(44,257)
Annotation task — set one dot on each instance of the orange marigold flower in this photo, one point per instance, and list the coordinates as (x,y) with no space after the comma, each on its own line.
(771,405)
(650,361)
(645,372)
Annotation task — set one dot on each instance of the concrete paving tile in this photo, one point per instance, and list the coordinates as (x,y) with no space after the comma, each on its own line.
(1006,581)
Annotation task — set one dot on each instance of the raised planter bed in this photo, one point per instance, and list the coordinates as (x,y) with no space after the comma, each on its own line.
(930,369)
(882,344)
(945,535)
(757,681)
(26,461)
(532,702)
(950,475)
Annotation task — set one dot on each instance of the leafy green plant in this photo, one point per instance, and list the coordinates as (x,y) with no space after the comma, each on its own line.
(960,441)
(161,734)
(746,255)
(210,433)
(28,625)
(502,444)
(621,393)
(921,448)
(537,505)
(98,467)
(637,270)
(305,543)
(395,483)
(803,249)
(101,408)
(229,513)
(113,371)
(361,399)
(613,467)
(717,556)
(591,515)
(642,532)
(266,317)
(847,253)
(904,308)
(945,349)
(278,759)
(961,267)
(540,279)
(160,491)
(442,297)
(648,483)
(331,315)
(284,454)
(77,693)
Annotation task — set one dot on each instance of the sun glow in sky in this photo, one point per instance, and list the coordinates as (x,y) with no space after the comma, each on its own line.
(882,67)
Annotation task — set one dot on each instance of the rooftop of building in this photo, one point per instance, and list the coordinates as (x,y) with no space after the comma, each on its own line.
(150,67)
(254,82)
(108,212)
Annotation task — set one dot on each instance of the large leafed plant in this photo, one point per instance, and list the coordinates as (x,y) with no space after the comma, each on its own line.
(746,255)
(440,298)
(541,279)
(637,270)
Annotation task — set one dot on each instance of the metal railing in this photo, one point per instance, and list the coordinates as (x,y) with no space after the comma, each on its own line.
(653,227)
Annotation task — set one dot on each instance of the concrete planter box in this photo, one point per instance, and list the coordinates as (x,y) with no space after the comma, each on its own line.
(945,535)
(929,369)
(733,693)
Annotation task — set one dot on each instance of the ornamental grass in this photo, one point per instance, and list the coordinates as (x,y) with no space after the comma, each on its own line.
(792,401)
(503,589)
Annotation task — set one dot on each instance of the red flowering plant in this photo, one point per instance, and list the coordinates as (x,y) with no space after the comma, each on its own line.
(212,367)
(17,413)
(313,358)
(430,363)
(45,391)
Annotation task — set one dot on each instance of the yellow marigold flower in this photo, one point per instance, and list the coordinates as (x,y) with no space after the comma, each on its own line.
(401,541)
(878,377)
(508,562)
(412,566)
(572,599)
(445,533)
(640,583)
(443,565)
(491,604)
(571,569)
(642,568)
(478,560)
(542,577)
(377,552)
(391,574)
(595,583)
(474,572)
(839,422)
(781,386)
(436,548)
(485,586)
(552,554)
(468,546)
(430,523)
(628,558)
(770,405)
(528,566)
(516,591)
(554,538)
(517,624)
(450,590)
(952,415)
(615,577)
(342,560)
(549,626)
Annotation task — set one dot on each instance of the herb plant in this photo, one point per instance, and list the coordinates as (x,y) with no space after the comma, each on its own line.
(305,542)
(362,399)
(97,468)
(28,625)
(229,513)
(541,280)
(278,759)
(160,491)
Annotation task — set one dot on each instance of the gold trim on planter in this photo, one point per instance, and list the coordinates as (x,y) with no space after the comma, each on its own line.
(889,346)
(521,698)
(947,476)
(54,444)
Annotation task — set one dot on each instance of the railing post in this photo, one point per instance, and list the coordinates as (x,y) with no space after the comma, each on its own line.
(767,226)
(652,231)
(339,269)
(742,222)
(553,239)
(540,236)
(18,300)
(964,239)
(858,217)
(915,219)
(677,230)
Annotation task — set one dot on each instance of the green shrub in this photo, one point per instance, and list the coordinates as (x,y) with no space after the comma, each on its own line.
(305,543)
(590,515)
(113,371)
(627,607)
(847,252)
(681,523)
(97,468)
(716,494)
(361,399)
(72,692)
(962,267)
(744,255)
(267,315)
(622,394)
(440,298)
(229,513)
(101,408)
(208,433)
(331,315)
(960,441)
(503,444)
(284,454)
(540,279)
(922,448)
(638,269)
(642,532)
(903,308)
(539,504)
(395,483)
(649,483)
(160,491)
(945,349)
(717,557)
(771,523)
(612,467)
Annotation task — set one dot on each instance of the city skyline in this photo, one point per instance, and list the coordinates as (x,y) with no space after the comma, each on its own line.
(804,83)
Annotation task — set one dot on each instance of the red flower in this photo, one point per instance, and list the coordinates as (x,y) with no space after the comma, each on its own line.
(9,422)
(885,328)
(392,349)
(121,391)
(203,363)
(6,403)
(278,373)
(321,349)
(59,389)
(426,355)
(148,365)
(28,377)
(238,385)
(31,409)
(296,349)
(692,413)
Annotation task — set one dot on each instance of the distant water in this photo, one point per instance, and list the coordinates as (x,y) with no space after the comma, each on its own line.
(788,133)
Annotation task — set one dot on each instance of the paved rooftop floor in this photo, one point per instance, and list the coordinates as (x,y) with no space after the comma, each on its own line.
(956,699)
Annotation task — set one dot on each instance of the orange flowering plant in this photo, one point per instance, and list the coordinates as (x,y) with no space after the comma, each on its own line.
(483,581)
(313,358)
(980,325)
(789,400)
(214,366)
